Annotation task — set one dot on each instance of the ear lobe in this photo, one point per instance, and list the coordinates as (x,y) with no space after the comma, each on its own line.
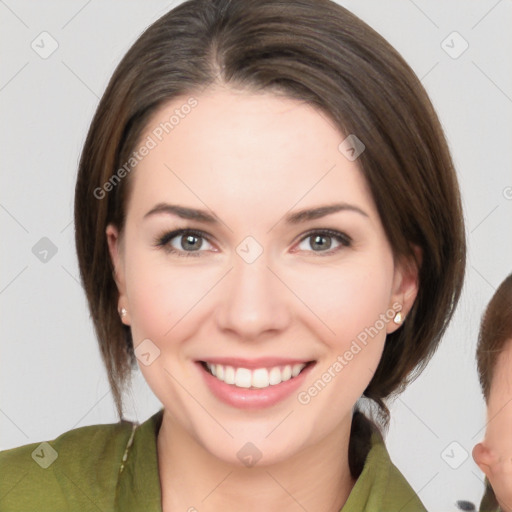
(405,284)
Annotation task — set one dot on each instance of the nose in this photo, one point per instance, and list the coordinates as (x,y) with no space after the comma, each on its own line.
(255,302)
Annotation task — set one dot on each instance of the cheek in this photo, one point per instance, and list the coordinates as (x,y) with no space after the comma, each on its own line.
(148,298)
(355,306)
(161,298)
(501,482)
(498,438)
(349,299)
(499,430)
(161,294)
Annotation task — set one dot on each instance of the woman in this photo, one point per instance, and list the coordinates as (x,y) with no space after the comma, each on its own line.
(268,222)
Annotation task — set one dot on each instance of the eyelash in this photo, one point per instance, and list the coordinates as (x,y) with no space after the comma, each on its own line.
(162,241)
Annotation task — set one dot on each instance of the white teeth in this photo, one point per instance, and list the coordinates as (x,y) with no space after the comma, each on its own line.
(296,369)
(287,373)
(229,375)
(258,378)
(243,378)
(275,376)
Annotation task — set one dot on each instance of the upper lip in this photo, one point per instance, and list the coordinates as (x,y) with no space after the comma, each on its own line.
(261,362)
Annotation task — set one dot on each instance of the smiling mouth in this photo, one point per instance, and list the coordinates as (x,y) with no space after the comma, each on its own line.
(257,378)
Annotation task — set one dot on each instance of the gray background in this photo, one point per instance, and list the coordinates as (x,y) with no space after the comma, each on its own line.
(52,378)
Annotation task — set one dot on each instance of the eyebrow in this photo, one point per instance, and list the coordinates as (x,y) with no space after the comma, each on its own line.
(292,218)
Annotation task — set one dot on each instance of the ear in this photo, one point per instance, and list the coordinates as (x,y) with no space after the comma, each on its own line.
(483,458)
(405,286)
(115,248)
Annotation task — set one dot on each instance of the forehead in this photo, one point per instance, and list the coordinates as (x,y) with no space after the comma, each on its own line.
(240,148)
(501,386)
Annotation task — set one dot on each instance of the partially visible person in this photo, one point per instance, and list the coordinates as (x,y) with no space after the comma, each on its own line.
(494,356)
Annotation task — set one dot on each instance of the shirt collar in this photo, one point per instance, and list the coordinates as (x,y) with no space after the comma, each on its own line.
(139,482)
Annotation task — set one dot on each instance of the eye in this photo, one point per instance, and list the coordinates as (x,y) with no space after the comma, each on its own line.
(189,242)
(183,242)
(321,241)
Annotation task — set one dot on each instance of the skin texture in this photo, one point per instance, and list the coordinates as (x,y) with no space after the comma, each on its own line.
(251,158)
(494,454)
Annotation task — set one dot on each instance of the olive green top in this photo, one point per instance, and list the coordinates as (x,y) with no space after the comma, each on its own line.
(115,467)
(489,502)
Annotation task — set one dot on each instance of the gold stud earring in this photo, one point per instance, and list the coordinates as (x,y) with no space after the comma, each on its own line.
(123,312)
(398,318)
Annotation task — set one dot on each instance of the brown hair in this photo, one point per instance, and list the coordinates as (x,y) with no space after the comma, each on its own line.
(318,52)
(495,332)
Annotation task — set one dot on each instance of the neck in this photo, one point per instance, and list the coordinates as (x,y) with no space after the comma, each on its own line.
(192,479)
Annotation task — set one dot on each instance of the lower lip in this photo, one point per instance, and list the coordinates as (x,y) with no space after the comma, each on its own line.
(245,398)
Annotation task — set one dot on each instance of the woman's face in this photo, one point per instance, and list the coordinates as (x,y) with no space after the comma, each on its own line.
(494,454)
(258,288)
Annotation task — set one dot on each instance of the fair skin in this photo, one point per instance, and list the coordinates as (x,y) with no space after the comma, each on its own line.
(494,454)
(251,159)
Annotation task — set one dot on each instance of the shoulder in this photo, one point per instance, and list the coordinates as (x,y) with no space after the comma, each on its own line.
(380,485)
(391,487)
(78,469)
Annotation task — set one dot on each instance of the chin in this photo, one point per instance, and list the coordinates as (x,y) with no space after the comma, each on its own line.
(252,448)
